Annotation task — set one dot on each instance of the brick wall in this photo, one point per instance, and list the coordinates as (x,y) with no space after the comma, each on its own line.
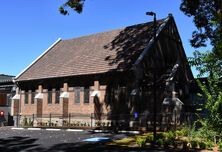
(27,109)
(57,108)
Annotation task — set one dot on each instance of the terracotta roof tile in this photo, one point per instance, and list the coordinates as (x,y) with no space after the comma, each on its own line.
(114,50)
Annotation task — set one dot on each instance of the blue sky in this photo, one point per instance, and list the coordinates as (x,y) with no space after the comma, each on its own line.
(28,28)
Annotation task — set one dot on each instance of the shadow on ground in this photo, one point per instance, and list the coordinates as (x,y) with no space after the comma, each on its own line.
(21,144)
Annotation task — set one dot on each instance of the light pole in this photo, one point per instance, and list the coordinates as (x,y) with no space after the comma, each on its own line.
(154,77)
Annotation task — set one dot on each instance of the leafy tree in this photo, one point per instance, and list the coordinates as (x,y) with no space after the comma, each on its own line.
(207,17)
(76,5)
(212,91)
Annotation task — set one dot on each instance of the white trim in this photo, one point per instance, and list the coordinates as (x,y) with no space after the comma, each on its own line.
(17,128)
(53,129)
(95,93)
(39,96)
(16,97)
(57,41)
(64,95)
(134,132)
(34,128)
(97,131)
(75,130)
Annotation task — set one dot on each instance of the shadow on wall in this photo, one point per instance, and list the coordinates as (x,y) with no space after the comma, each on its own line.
(125,109)
(120,104)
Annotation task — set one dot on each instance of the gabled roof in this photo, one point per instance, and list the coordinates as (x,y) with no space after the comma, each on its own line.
(115,50)
(6,78)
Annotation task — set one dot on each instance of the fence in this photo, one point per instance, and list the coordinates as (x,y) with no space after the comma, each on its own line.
(164,121)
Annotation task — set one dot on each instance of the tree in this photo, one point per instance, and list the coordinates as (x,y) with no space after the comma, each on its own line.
(207,17)
(76,5)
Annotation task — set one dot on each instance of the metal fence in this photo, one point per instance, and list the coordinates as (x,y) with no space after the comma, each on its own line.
(164,121)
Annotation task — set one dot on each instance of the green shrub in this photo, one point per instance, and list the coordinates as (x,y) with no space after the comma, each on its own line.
(209,145)
(170,138)
(149,138)
(171,135)
(183,132)
(25,122)
(220,145)
(141,141)
(159,142)
(202,145)
(194,143)
(160,135)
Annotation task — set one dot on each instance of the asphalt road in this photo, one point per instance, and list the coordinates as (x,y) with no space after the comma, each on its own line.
(44,140)
(60,141)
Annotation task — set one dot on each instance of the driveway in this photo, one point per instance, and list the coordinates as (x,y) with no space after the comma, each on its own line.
(44,140)
(59,141)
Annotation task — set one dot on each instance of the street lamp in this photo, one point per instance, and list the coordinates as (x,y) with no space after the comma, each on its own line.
(154,75)
(154,22)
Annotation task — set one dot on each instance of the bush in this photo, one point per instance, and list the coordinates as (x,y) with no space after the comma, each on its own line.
(25,122)
(149,138)
(220,146)
(171,135)
(159,142)
(160,135)
(194,143)
(209,145)
(170,138)
(202,145)
(141,141)
(183,132)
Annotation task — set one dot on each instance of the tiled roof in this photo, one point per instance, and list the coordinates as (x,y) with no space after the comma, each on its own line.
(114,50)
(6,78)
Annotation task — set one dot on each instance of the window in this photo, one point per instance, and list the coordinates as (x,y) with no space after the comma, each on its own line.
(77,95)
(57,96)
(49,97)
(86,95)
(9,98)
(33,97)
(26,97)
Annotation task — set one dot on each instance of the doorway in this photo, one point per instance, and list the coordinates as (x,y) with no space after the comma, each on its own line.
(65,107)
(39,107)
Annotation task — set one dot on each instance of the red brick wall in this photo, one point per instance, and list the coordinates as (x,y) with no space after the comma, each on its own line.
(53,108)
(27,109)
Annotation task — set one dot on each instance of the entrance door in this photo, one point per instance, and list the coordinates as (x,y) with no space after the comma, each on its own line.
(65,107)
(39,107)
(16,107)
